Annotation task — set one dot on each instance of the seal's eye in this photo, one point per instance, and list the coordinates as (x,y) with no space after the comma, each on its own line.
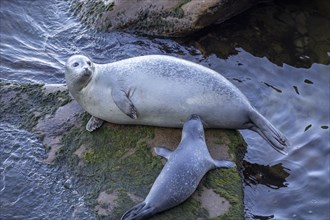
(75,64)
(89,63)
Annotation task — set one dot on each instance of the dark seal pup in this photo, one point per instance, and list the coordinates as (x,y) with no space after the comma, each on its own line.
(182,173)
(162,91)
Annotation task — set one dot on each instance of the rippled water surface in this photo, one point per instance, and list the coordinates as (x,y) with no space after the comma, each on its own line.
(31,189)
(286,77)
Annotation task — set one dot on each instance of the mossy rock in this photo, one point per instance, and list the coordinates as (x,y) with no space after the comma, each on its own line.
(24,104)
(118,161)
(114,167)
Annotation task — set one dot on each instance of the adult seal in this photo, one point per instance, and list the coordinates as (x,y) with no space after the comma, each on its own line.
(182,173)
(162,91)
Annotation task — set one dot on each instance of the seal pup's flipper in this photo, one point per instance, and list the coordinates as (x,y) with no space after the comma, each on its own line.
(139,212)
(163,152)
(224,163)
(123,102)
(93,124)
(266,130)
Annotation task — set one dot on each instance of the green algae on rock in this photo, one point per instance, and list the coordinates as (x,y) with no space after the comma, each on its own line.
(116,162)
(25,103)
(119,158)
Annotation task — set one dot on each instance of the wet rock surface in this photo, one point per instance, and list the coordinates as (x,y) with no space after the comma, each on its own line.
(163,17)
(114,167)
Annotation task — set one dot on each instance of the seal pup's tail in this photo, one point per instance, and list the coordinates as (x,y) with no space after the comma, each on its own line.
(266,130)
(139,212)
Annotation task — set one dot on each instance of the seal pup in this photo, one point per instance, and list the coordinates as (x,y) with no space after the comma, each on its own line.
(161,90)
(179,178)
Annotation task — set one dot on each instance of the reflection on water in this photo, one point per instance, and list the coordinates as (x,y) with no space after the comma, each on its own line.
(306,195)
(29,188)
(286,32)
(277,54)
(271,176)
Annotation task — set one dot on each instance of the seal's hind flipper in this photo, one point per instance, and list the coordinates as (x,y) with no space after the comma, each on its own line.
(123,102)
(131,214)
(163,152)
(93,124)
(139,212)
(266,130)
(224,163)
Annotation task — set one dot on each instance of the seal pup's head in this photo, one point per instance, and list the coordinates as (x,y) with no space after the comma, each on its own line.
(193,128)
(79,70)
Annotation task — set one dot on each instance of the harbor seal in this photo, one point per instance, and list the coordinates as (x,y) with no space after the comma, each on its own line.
(161,90)
(179,178)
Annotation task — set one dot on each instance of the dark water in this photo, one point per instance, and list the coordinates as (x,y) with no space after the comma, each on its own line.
(285,76)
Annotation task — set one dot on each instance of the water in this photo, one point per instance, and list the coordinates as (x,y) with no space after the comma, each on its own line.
(31,189)
(284,77)
(296,185)
(36,44)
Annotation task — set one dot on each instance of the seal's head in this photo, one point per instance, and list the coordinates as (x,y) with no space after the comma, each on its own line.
(79,70)
(193,128)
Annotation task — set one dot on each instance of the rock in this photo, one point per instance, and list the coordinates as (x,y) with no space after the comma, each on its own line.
(213,203)
(114,167)
(163,17)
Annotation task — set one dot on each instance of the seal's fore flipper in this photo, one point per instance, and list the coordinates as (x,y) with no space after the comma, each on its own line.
(93,124)
(123,102)
(224,163)
(163,152)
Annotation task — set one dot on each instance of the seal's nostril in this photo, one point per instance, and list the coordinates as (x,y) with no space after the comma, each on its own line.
(87,71)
